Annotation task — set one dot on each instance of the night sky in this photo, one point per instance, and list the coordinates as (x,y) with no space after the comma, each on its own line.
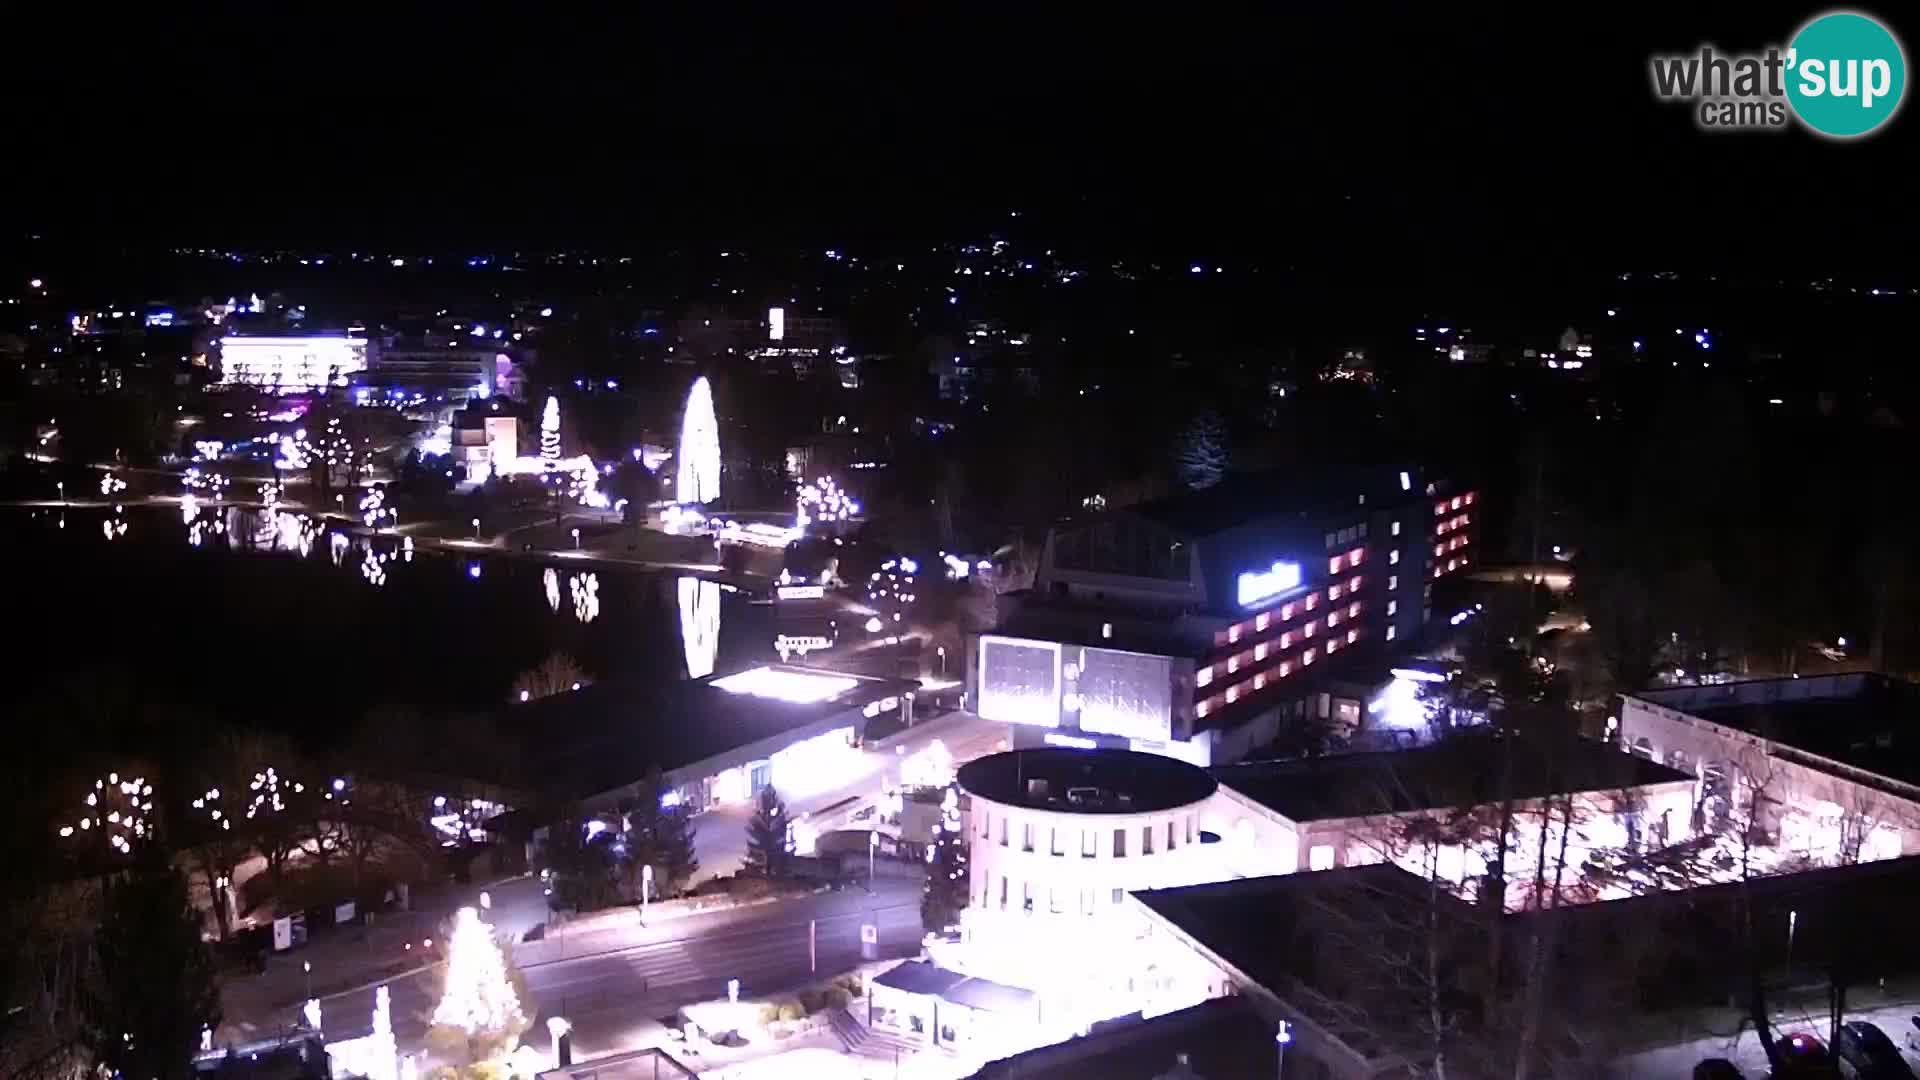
(1418,140)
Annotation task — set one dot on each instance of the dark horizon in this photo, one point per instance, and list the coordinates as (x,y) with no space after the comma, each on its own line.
(1425,143)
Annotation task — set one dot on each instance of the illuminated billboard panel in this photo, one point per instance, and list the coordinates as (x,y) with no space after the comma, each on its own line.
(1127,694)
(1020,681)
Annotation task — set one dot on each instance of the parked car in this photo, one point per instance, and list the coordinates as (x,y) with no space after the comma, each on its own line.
(1866,1050)
(1804,1057)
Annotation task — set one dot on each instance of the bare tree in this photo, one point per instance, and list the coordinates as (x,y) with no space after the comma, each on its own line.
(557,674)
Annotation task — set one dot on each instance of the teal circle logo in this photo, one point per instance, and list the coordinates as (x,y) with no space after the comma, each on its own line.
(1846,74)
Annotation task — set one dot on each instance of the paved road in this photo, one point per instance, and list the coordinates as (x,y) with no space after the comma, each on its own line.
(616,990)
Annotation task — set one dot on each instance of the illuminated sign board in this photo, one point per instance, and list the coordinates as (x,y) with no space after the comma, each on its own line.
(1125,694)
(802,592)
(1020,681)
(776,324)
(1269,583)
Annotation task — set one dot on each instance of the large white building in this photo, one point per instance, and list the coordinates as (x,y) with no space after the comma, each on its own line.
(1058,838)
(292,364)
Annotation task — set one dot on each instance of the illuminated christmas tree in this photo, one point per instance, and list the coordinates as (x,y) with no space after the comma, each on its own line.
(479,1005)
(948,884)
(550,431)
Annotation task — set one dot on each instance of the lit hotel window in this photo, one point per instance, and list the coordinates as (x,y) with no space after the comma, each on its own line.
(1393,557)
(1393,607)
(1353,610)
(1203,676)
(1396,528)
(1309,657)
(1393,582)
(1333,565)
(1391,633)
(1353,636)
(1260,622)
(1311,628)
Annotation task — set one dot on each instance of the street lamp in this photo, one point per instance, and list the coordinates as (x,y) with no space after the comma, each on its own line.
(873,845)
(942,650)
(307,967)
(476,528)
(557,1026)
(646,886)
(576,539)
(62,485)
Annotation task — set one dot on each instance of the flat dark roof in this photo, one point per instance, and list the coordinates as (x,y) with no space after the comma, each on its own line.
(919,977)
(1303,494)
(1461,771)
(1128,782)
(1293,931)
(1861,719)
(608,734)
(1223,1037)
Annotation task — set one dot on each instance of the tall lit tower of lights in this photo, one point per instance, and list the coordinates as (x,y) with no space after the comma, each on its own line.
(700,624)
(699,476)
(550,433)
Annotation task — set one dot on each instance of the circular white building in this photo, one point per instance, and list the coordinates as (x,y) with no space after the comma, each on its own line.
(1060,836)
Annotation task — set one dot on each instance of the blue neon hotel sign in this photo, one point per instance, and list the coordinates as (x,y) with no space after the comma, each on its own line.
(1267,584)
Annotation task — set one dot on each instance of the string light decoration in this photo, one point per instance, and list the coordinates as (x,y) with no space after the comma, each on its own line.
(550,432)
(586,596)
(373,506)
(116,526)
(823,501)
(111,484)
(947,881)
(550,580)
(208,805)
(118,810)
(698,479)
(478,1000)
(890,591)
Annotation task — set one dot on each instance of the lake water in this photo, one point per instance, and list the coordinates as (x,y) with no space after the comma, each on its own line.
(246,613)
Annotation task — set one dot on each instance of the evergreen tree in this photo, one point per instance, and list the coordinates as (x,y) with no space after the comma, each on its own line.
(580,869)
(152,990)
(767,836)
(947,879)
(659,835)
(1200,453)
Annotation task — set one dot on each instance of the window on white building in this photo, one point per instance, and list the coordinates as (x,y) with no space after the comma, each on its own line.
(1119,843)
(1026,837)
(1088,843)
(1146,840)
(1026,897)
(1003,892)
(1320,857)
(1003,831)
(1119,896)
(1058,847)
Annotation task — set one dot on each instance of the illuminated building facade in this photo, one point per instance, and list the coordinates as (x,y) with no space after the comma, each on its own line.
(1057,839)
(306,362)
(1185,626)
(719,739)
(1831,782)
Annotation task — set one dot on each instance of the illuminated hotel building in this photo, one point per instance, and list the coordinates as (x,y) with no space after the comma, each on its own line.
(290,364)
(1191,626)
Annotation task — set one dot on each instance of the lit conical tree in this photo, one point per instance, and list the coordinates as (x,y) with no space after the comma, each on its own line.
(479,1002)
(550,431)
